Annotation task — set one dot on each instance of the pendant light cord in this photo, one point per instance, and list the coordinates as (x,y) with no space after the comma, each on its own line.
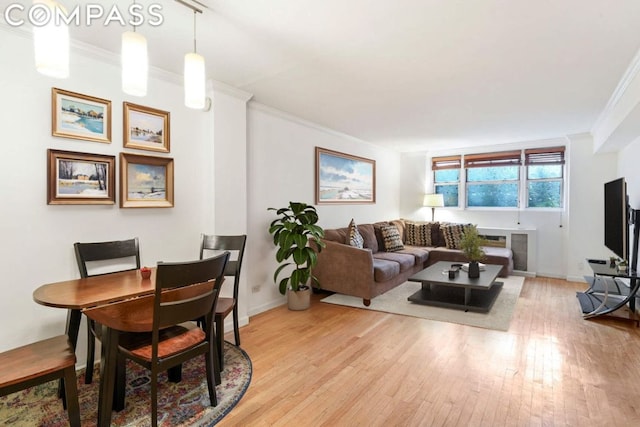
(194,32)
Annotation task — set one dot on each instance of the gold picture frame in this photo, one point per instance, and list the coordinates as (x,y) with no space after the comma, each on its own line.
(146,181)
(146,128)
(78,116)
(80,178)
(344,179)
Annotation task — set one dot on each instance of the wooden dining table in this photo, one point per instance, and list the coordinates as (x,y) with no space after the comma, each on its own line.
(78,295)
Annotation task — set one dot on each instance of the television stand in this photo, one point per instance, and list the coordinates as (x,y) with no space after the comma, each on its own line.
(608,294)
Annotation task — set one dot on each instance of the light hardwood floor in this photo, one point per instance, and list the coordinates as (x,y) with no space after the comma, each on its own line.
(340,366)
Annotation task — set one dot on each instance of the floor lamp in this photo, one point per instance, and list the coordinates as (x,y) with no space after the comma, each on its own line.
(433,201)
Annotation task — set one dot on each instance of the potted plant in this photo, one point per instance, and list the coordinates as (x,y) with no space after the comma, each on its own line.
(298,239)
(470,245)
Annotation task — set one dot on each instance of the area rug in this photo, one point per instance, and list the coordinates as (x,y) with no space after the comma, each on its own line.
(179,404)
(395,301)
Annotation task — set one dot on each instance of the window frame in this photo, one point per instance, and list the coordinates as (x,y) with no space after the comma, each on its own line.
(445,163)
(523,158)
(549,156)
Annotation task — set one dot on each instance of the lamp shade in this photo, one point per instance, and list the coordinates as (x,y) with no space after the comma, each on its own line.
(433,200)
(51,44)
(194,81)
(135,64)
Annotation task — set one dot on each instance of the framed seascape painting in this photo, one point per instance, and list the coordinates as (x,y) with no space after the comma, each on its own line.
(80,178)
(78,116)
(146,128)
(343,178)
(145,181)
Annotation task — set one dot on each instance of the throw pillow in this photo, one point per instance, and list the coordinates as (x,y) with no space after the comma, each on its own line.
(453,234)
(391,238)
(418,234)
(355,238)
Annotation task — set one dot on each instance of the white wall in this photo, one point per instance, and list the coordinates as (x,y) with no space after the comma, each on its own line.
(37,239)
(281,168)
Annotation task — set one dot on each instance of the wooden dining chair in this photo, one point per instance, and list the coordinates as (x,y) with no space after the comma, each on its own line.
(184,291)
(98,258)
(41,362)
(226,305)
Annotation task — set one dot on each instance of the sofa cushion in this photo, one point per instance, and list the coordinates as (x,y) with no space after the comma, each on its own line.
(339,235)
(437,236)
(418,233)
(421,254)
(369,236)
(355,238)
(453,234)
(384,270)
(392,238)
(406,261)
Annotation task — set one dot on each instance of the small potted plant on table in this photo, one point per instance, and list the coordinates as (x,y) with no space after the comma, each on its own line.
(293,231)
(470,245)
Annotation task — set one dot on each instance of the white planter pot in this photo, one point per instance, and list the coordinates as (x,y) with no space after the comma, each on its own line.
(299,300)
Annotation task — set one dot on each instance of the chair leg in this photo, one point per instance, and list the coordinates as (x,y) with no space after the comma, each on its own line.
(119,391)
(71,396)
(91,351)
(213,372)
(154,398)
(220,340)
(174,373)
(236,327)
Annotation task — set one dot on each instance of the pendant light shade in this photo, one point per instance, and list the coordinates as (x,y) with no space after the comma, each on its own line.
(194,81)
(135,64)
(51,44)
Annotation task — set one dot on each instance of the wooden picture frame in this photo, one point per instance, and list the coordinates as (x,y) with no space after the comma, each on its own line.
(78,116)
(146,181)
(80,178)
(344,179)
(146,128)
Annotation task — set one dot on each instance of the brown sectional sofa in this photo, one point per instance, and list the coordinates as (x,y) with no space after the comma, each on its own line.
(371,271)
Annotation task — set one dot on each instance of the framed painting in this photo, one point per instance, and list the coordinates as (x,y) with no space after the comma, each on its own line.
(146,128)
(343,178)
(78,116)
(80,178)
(145,181)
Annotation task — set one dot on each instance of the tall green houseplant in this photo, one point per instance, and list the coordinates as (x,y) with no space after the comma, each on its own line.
(293,231)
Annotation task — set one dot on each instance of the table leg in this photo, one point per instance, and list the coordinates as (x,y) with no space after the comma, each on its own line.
(72,329)
(467,295)
(108,360)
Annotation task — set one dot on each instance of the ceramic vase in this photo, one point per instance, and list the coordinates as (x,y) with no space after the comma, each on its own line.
(474,270)
(299,300)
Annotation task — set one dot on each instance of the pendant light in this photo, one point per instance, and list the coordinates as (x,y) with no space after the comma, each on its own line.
(194,75)
(135,63)
(51,41)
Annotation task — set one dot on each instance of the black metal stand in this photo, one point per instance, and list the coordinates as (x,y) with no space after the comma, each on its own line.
(606,293)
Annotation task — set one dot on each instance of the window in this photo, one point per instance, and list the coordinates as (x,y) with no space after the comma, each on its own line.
(493,179)
(446,176)
(545,177)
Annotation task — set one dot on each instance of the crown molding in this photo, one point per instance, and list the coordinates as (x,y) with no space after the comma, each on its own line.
(630,74)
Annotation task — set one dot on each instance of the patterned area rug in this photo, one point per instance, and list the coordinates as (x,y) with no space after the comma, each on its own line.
(395,301)
(182,404)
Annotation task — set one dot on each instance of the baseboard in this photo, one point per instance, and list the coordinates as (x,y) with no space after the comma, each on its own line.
(524,273)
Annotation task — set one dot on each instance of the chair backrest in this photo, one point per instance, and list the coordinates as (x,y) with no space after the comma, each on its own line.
(108,251)
(186,291)
(209,242)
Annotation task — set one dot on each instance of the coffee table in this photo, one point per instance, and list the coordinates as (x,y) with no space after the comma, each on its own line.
(461,292)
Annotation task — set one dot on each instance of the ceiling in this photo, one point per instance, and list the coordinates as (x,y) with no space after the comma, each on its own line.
(412,75)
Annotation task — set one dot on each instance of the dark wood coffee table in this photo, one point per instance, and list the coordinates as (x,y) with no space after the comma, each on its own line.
(459,293)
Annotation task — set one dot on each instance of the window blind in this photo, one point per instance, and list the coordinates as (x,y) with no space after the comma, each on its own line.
(448,162)
(502,158)
(544,156)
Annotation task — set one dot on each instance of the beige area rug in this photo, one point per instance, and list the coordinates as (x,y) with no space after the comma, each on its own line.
(395,301)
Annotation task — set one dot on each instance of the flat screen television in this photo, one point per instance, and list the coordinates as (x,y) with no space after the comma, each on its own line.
(616,218)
